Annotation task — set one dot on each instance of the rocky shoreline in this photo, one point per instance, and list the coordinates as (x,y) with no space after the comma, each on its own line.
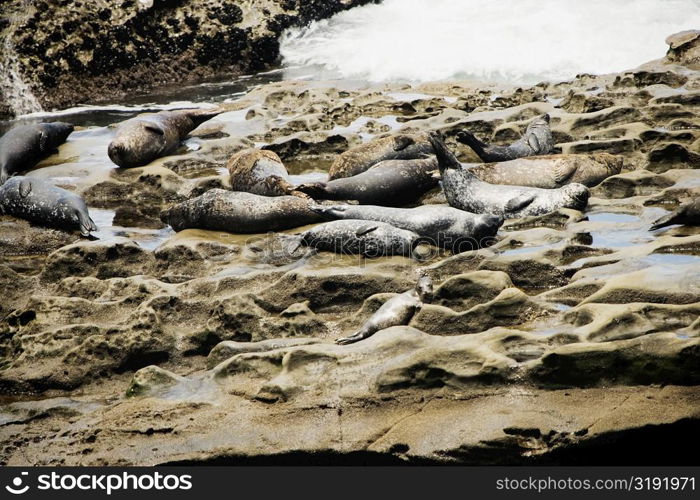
(574,339)
(61,53)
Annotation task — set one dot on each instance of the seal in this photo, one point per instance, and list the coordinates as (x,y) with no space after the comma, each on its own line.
(442,226)
(142,139)
(397,311)
(260,172)
(359,237)
(537,140)
(464,191)
(396,147)
(42,203)
(687,214)
(550,172)
(390,182)
(235,212)
(22,147)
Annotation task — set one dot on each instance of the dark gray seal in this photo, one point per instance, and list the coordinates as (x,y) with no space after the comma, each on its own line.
(397,311)
(260,172)
(537,140)
(360,237)
(550,172)
(391,182)
(234,212)
(687,214)
(41,203)
(22,147)
(396,147)
(142,139)
(442,226)
(464,191)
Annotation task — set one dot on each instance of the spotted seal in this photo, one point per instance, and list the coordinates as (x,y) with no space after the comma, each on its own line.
(464,191)
(396,147)
(445,227)
(236,212)
(360,237)
(262,172)
(537,140)
(687,214)
(44,204)
(550,172)
(22,147)
(398,310)
(390,182)
(149,136)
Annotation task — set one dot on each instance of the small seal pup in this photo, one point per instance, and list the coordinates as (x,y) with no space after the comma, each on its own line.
(550,172)
(42,203)
(360,237)
(537,140)
(235,212)
(262,172)
(464,191)
(396,147)
(390,182)
(396,311)
(22,147)
(687,214)
(148,136)
(442,226)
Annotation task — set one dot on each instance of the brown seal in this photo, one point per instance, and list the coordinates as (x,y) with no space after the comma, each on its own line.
(396,147)
(262,172)
(551,172)
(146,137)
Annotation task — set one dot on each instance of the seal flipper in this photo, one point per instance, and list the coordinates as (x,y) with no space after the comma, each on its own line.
(313,189)
(479,147)
(563,173)
(155,129)
(25,187)
(534,143)
(328,211)
(87,225)
(519,202)
(364,230)
(446,159)
(675,217)
(351,339)
(402,142)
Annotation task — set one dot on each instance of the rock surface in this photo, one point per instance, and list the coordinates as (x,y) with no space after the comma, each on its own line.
(64,52)
(573,339)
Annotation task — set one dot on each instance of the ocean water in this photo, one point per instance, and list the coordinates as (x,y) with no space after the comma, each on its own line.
(517,41)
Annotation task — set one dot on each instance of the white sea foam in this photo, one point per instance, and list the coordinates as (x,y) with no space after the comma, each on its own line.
(521,41)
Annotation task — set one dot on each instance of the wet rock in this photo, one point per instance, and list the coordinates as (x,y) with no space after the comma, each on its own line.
(151,379)
(628,184)
(18,238)
(672,155)
(607,322)
(653,284)
(510,307)
(116,257)
(655,358)
(684,48)
(228,349)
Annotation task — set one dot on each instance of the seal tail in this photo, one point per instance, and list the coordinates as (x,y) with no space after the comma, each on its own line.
(446,160)
(199,116)
(666,220)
